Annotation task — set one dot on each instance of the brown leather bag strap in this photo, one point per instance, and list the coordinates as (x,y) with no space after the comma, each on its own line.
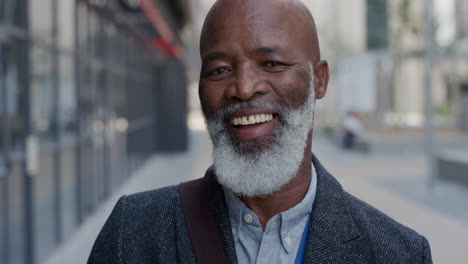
(205,237)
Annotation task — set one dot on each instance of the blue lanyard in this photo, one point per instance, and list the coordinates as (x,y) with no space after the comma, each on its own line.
(301,250)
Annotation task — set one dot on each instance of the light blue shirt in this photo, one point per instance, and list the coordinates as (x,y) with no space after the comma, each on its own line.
(283,232)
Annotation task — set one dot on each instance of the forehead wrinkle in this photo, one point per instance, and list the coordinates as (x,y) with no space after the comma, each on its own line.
(267,50)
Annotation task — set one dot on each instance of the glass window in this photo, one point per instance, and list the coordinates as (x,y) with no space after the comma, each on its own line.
(40,18)
(10,92)
(42,97)
(87,97)
(95,35)
(377,24)
(67,96)
(3,107)
(9,11)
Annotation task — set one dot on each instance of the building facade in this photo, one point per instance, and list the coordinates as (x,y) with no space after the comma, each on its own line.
(81,84)
(384,78)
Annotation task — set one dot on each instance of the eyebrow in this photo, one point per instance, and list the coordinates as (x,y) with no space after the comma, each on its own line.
(216,55)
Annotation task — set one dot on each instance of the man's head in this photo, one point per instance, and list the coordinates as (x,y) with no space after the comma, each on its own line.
(261,73)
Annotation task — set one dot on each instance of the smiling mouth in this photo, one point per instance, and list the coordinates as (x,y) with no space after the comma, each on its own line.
(252,124)
(242,121)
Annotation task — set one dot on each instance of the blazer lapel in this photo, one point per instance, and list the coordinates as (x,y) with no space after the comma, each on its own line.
(218,208)
(333,235)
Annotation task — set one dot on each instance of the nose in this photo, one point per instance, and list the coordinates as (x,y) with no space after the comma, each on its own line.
(247,84)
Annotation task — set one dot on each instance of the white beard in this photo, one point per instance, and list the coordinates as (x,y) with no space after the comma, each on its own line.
(262,172)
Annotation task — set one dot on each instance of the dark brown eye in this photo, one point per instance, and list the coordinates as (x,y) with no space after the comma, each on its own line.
(217,74)
(219,71)
(272,64)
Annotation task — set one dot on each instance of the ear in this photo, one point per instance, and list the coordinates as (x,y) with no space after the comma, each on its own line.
(322,76)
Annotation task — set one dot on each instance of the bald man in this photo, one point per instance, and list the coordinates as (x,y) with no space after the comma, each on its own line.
(267,198)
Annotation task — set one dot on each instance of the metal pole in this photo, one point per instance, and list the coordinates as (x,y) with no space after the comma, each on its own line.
(25,44)
(103,45)
(56,128)
(337,45)
(429,105)
(4,155)
(78,147)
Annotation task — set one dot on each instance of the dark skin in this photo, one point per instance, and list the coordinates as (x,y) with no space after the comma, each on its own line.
(264,51)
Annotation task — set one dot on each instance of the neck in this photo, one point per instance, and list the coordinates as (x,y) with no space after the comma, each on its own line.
(288,196)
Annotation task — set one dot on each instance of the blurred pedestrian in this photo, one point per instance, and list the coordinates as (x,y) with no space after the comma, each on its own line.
(352,129)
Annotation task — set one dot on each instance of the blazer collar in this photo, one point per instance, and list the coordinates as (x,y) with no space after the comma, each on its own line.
(331,227)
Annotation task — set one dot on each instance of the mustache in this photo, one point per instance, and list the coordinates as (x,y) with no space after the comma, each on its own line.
(228,110)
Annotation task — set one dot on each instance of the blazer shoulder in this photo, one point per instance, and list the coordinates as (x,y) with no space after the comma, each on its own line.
(158,199)
(139,223)
(387,235)
(371,217)
(146,209)
(155,207)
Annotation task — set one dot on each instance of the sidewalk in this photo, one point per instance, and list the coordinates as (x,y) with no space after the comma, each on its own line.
(159,171)
(393,183)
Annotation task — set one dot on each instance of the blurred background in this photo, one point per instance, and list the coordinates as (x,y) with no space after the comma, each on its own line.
(98,98)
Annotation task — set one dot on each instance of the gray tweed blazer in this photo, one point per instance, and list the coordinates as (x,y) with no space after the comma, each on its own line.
(149,228)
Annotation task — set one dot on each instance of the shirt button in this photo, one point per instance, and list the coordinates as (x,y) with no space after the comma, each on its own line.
(287,240)
(248,218)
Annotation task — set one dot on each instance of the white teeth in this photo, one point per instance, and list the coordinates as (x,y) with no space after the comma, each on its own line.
(244,121)
(257,118)
(252,119)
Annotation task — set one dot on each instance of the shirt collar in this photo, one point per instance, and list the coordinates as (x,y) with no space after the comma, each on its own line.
(291,222)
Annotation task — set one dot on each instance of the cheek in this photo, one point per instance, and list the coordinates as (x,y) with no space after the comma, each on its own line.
(211,97)
(292,87)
